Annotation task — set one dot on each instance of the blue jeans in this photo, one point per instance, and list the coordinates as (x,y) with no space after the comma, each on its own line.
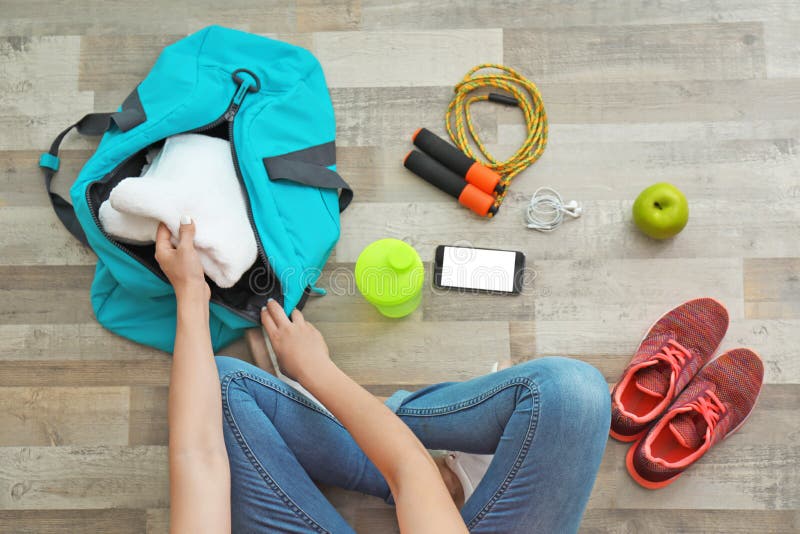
(546,421)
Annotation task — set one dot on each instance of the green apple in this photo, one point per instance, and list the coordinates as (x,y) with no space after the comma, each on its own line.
(661,211)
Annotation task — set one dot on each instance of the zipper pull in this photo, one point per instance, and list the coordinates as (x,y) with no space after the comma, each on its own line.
(238,98)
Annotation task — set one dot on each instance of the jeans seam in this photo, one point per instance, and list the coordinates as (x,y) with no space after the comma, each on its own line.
(286,392)
(533,423)
(271,483)
(523,452)
(469,403)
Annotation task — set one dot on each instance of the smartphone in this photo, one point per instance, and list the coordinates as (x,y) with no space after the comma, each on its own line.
(479,269)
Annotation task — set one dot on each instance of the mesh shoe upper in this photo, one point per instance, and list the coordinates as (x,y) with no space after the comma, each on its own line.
(714,404)
(675,348)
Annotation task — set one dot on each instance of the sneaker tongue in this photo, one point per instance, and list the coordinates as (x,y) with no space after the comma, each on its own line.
(689,429)
(653,380)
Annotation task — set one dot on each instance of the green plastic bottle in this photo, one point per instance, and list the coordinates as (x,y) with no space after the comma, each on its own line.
(390,275)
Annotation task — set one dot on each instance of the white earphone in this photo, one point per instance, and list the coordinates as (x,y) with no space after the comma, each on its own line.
(546,210)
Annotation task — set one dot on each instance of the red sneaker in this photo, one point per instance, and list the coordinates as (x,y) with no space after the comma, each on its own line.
(714,406)
(675,348)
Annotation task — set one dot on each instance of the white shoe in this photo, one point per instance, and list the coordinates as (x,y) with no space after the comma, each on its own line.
(469,468)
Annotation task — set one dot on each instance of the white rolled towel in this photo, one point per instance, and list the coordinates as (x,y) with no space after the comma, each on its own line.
(192,175)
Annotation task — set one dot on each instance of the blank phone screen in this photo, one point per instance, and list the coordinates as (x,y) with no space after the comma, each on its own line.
(475,268)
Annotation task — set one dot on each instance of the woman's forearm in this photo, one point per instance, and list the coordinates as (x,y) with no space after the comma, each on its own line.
(383,437)
(423,502)
(198,461)
(195,405)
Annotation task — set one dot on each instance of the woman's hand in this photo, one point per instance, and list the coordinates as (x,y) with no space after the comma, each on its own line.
(298,346)
(181,264)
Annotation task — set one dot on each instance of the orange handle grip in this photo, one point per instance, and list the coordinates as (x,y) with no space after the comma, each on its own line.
(457,161)
(478,201)
(484,179)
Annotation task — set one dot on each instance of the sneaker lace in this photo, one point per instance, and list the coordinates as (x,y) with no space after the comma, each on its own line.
(710,407)
(674,354)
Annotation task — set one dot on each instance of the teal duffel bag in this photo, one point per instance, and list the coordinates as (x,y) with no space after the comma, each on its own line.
(270,100)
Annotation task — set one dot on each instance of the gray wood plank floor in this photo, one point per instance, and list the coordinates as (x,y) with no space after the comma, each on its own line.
(703,94)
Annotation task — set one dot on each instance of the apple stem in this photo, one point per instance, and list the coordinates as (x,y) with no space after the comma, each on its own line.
(656,204)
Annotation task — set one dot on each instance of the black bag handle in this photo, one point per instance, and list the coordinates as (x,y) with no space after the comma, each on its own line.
(94,124)
(309,166)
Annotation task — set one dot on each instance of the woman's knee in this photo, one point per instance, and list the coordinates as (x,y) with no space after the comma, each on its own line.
(243,384)
(238,378)
(228,366)
(573,389)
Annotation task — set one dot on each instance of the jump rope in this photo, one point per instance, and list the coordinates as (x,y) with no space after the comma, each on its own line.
(476,178)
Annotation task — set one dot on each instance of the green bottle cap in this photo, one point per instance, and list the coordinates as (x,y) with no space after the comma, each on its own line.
(390,275)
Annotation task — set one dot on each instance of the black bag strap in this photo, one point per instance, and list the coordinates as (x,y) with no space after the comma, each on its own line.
(92,124)
(309,166)
(131,115)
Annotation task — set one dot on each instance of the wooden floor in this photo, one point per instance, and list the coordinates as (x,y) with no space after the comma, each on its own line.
(703,94)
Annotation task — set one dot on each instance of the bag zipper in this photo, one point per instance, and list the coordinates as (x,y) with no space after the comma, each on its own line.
(228,116)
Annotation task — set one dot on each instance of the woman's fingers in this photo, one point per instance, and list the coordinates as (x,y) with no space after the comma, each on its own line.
(163,243)
(277,314)
(297,317)
(186,232)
